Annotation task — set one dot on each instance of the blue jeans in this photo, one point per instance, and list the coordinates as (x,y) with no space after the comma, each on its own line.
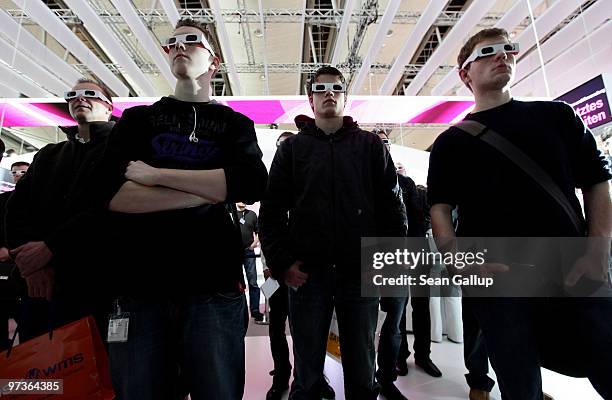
(193,345)
(310,313)
(568,335)
(251,273)
(390,338)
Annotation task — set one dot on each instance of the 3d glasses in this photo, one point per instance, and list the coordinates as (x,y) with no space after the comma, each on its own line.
(324,87)
(89,93)
(490,50)
(187,38)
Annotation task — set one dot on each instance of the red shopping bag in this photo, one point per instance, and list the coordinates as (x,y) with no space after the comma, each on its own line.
(75,354)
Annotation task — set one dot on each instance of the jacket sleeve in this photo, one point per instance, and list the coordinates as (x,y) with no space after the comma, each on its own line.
(18,224)
(273,214)
(390,209)
(125,144)
(245,174)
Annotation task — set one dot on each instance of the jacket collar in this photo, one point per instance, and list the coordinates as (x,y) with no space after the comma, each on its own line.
(97,130)
(307,125)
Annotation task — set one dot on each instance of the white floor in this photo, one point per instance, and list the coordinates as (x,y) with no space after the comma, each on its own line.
(416,385)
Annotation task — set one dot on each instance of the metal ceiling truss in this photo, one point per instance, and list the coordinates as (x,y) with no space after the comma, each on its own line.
(245,29)
(319,16)
(306,68)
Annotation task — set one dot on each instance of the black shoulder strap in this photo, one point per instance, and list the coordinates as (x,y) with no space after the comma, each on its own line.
(518,157)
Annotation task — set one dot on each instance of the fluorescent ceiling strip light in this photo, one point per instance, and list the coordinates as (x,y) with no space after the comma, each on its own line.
(411,44)
(43,16)
(476,10)
(375,46)
(145,38)
(171,11)
(37,51)
(32,69)
(111,45)
(227,49)
(509,21)
(341,34)
(12,79)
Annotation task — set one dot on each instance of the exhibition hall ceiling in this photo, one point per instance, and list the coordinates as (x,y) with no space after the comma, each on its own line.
(270,47)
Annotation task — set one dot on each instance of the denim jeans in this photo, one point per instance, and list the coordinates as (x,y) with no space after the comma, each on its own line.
(193,345)
(475,350)
(390,338)
(574,334)
(310,313)
(250,269)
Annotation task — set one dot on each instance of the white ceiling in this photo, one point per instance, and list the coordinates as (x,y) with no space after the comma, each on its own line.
(51,52)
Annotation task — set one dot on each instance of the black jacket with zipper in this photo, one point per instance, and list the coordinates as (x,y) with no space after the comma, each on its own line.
(324,193)
(53,203)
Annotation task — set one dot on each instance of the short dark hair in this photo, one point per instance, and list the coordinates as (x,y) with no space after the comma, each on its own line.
(103,88)
(324,70)
(471,43)
(198,25)
(2,148)
(20,164)
(284,135)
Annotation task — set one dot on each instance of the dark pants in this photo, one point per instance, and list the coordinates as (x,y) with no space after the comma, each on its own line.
(250,269)
(194,346)
(475,350)
(390,338)
(310,313)
(421,328)
(279,311)
(521,334)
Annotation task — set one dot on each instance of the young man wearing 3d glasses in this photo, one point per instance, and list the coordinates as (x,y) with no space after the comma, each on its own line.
(496,198)
(49,226)
(170,173)
(330,185)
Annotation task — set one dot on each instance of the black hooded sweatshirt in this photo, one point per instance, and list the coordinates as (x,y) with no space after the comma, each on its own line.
(324,193)
(53,203)
(186,251)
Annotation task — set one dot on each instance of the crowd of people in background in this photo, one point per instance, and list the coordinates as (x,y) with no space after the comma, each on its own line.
(145,220)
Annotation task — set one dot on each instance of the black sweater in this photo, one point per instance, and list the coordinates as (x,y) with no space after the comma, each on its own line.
(193,250)
(324,193)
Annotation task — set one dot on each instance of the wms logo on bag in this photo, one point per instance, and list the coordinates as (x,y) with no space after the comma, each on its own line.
(60,367)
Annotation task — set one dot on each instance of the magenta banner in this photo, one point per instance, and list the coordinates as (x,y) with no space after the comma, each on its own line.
(25,112)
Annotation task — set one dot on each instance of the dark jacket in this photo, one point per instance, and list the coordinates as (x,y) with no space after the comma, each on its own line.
(416,207)
(52,203)
(324,193)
